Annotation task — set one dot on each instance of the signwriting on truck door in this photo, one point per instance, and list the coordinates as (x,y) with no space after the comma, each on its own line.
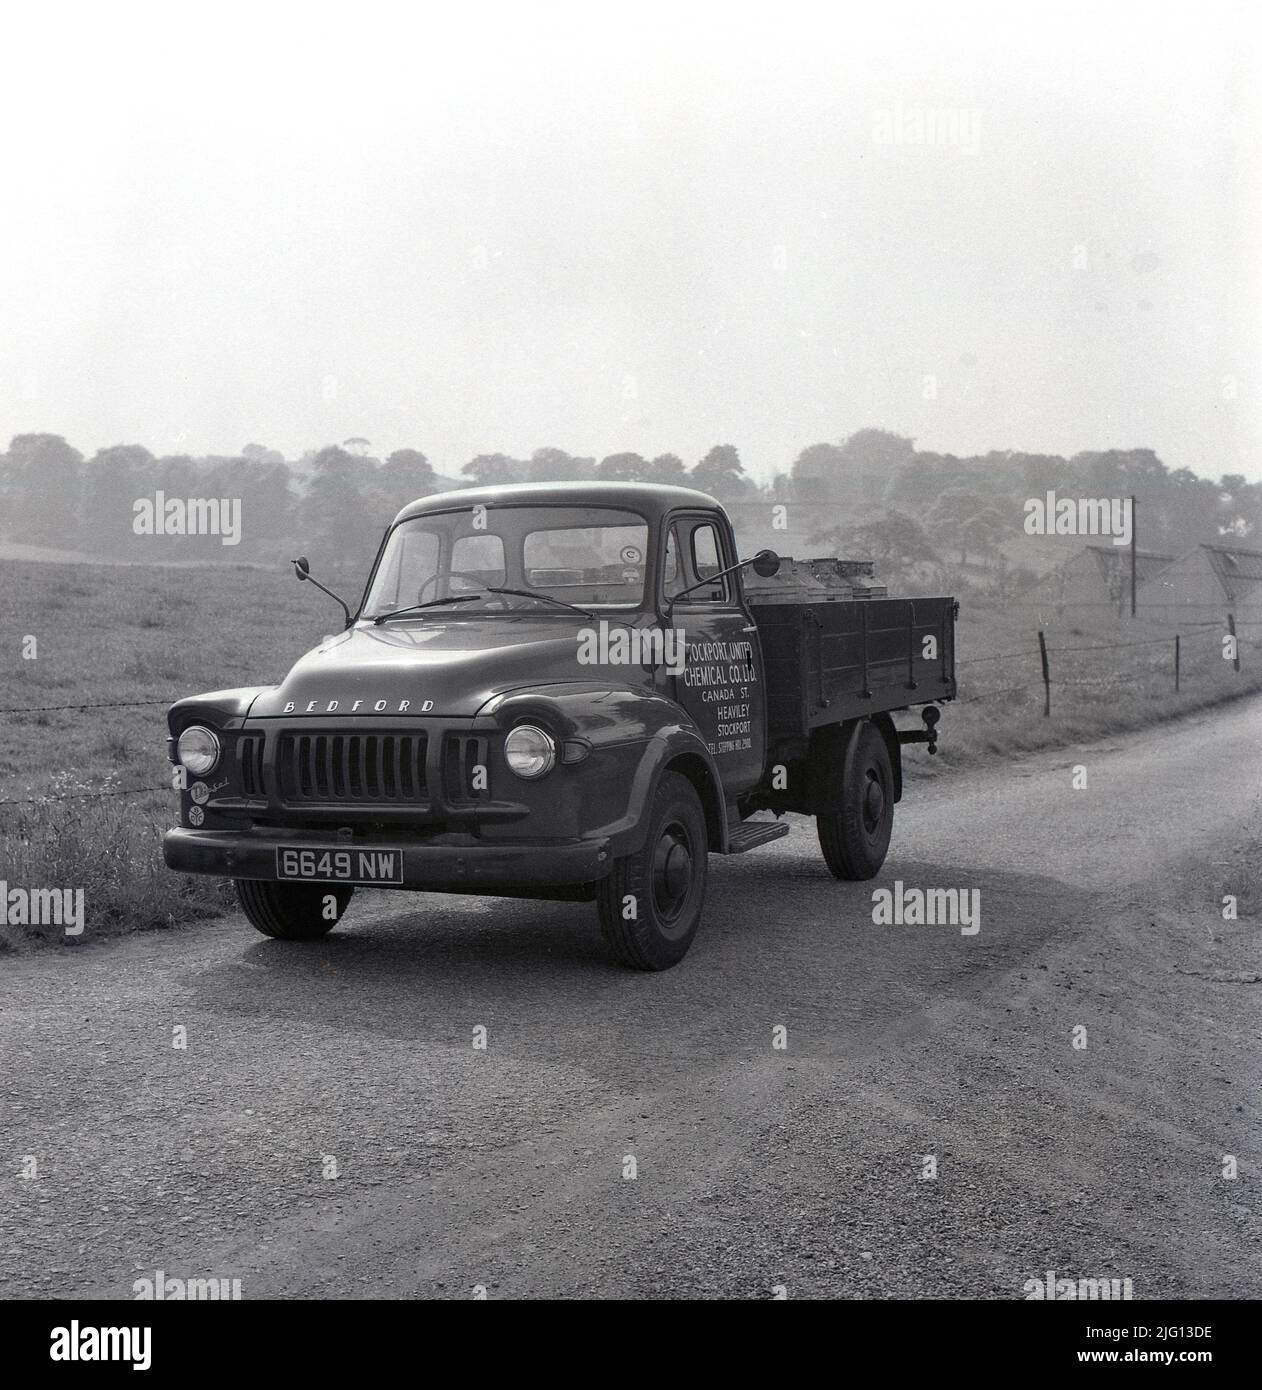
(719,684)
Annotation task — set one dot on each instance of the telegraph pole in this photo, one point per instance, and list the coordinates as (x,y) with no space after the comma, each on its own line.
(1133,539)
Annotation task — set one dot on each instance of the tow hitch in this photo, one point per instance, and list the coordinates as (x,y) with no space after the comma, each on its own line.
(929,734)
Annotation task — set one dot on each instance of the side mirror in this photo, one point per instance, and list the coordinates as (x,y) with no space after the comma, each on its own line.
(302,572)
(766,563)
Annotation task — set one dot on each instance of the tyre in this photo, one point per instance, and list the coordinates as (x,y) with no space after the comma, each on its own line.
(292,911)
(650,905)
(854,834)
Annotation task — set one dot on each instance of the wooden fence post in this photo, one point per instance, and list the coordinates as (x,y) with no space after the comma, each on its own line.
(1047,680)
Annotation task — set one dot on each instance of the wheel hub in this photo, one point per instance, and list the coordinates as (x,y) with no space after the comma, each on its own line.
(672,872)
(873,804)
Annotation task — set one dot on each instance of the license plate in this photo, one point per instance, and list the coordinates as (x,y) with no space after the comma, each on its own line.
(339,865)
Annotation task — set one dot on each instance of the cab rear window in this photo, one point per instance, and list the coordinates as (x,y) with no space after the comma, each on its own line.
(603,563)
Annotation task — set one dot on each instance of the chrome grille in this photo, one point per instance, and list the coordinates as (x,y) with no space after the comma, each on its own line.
(463,755)
(250,764)
(351,768)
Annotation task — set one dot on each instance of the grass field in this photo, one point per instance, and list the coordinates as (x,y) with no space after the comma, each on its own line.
(112,634)
(1107,676)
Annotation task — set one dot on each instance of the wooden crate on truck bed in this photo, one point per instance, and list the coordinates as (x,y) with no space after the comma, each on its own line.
(827,579)
(833,651)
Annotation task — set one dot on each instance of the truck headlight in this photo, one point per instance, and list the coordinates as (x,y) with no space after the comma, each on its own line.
(529,752)
(198,749)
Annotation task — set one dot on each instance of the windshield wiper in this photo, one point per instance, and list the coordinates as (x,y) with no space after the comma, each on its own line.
(416,607)
(468,598)
(545,598)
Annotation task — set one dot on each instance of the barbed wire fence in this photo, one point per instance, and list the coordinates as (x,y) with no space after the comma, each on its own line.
(1217,632)
(1190,632)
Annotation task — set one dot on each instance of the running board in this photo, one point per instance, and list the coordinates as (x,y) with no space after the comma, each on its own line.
(753,833)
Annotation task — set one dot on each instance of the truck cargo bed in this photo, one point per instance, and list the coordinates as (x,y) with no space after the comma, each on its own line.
(835,659)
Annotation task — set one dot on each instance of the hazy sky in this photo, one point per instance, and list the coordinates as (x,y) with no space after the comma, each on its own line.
(488,228)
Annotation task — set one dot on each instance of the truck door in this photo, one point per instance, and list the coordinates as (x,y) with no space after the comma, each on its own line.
(719,684)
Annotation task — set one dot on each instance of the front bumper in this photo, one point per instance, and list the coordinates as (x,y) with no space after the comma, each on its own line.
(452,863)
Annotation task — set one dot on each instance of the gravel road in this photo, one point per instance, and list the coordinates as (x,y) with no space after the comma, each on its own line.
(330,1129)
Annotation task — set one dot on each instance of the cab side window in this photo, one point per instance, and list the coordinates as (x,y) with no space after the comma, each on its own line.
(673,578)
(707,560)
(694,553)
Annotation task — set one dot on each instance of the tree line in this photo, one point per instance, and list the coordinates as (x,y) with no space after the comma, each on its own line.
(916,511)
(871,495)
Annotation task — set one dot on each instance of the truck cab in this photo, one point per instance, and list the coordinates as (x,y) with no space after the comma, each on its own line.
(551,690)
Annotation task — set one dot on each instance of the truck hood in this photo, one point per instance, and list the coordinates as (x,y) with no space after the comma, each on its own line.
(428,668)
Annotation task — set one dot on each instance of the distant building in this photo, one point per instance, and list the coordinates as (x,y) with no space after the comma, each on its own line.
(1095,582)
(1204,585)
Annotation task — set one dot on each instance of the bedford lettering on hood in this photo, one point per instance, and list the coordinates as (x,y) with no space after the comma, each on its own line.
(447,670)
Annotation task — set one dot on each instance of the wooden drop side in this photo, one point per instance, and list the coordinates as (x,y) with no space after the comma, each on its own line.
(831,661)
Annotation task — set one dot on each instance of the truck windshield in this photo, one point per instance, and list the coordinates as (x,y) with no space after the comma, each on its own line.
(587,556)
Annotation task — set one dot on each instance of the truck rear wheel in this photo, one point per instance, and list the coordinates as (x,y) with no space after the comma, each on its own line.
(855,834)
(650,905)
(292,911)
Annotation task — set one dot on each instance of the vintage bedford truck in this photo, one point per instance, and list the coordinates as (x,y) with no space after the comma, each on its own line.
(566,691)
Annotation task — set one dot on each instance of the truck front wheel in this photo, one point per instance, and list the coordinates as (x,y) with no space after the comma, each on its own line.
(650,905)
(855,834)
(293,911)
